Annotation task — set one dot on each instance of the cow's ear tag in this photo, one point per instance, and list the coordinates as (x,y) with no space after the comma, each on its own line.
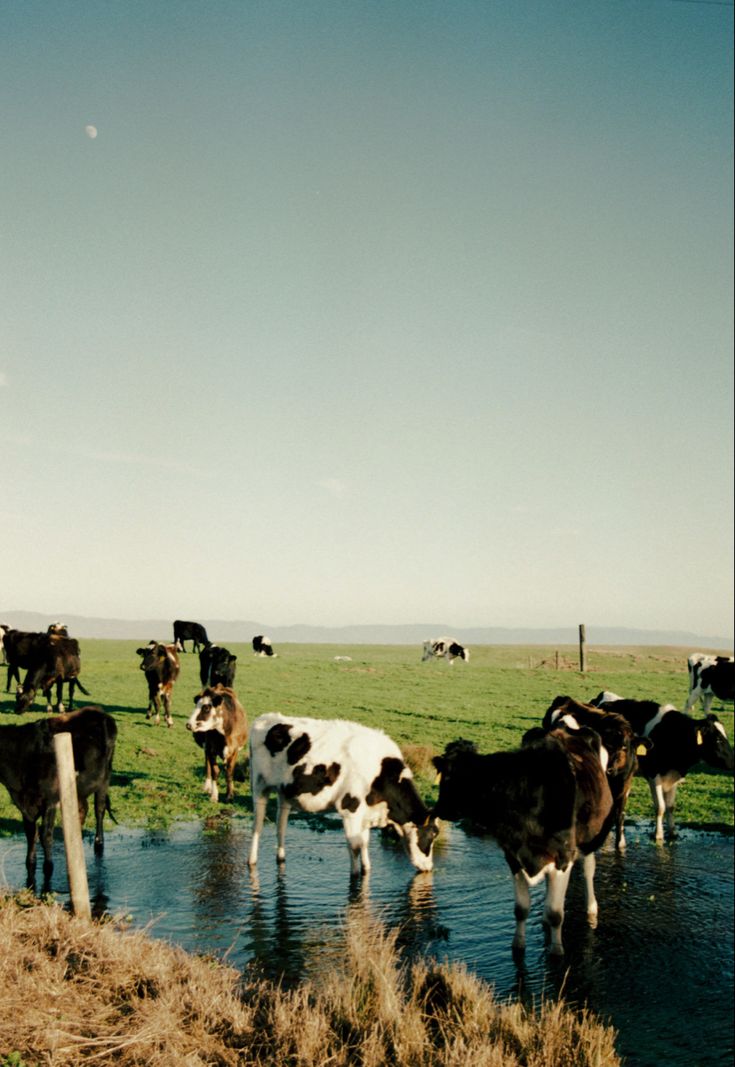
(438,778)
(641,750)
(699,737)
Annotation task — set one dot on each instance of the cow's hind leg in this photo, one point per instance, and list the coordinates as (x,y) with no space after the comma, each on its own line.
(522,908)
(589,863)
(659,807)
(47,834)
(31,832)
(100,807)
(260,800)
(556,890)
(284,810)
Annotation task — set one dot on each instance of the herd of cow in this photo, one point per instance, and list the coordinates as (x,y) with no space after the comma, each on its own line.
(552,800)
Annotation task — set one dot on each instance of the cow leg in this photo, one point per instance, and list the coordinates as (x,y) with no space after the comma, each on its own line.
(167,707)
(213,773)
(210,785)
(619,809)
(707,702)
(670,802)
(358,839)
(556,890)
(284,810)
(659,806)
(260,801)
(589,863)
(100,807)
(31,832)
(230,777)
(47,834)
(522,908)
(60,696)
(692,699)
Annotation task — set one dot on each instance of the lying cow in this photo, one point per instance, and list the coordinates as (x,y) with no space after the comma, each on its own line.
(52,660)
(263,646)
(161,666)
(190,631)
(217,666)
(220,727)
(331,764)
(677,743)
(544,804)
(444,647)
(28,772)
(710,677)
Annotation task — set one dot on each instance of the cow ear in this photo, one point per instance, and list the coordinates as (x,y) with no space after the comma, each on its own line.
(712,718)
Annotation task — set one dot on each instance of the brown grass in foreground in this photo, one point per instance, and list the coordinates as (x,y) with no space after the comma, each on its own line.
(79,992)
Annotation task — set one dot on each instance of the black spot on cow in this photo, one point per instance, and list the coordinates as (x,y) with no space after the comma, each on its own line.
(277,738)
(399,795)
(312,781)
(298,749)
(349,803)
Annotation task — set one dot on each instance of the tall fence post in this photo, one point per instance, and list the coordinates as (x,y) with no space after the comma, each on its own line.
(75,864)
(582,648)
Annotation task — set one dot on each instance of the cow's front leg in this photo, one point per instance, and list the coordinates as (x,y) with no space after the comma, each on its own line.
(230,777)
(522,908)
(260,801)
(589,864)
(29,825)
(284,810)
(358,840)
(211,776)
(556,890)
(166,695)
(659,807)
(670,802)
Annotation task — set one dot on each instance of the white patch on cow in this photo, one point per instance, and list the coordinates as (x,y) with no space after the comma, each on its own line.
(657,718)
(536,878)
(570,721)
(607,697)
(721,728)
(604,757)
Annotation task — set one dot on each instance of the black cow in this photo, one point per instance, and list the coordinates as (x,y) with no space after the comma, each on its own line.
(52,660)
(190,631)
(262,646)
(28,771)
(710,677)
(677,743)
(19,646)
(220,727)
(217,666)
(161,666)
(544,804)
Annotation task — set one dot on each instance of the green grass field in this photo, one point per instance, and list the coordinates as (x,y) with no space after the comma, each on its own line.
(492,700)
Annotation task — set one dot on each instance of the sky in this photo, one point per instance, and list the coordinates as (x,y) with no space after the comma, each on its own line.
(368,312)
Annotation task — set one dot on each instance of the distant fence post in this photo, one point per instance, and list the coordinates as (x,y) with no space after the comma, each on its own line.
(75,865)
(582,648)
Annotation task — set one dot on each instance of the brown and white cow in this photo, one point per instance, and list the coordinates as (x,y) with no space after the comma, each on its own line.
(51,660)
(332,764)
(220,727)
(28,772)
(544,804)
(161,666)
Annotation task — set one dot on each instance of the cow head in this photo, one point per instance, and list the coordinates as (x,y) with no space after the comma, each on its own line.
(208,711)
(450,775)
(150,655)
(714,747)
(418,841)
(24,697)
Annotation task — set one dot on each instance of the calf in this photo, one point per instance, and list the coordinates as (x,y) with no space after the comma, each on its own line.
(161,666)
(28,771)
(19,646)
(621,744)
(677,743)
(217,666)
(262,646)
(544,804)
(220,727)
(52,660)
(332,764)
(439,647)
(190,631)
(710,677)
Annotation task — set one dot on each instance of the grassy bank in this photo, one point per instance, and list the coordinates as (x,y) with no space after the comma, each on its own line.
(492,700)
(75,992)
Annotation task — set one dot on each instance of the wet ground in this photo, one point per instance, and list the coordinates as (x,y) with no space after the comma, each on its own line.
(658,966)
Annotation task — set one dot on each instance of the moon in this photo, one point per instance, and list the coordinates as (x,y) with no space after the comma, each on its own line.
(91,131)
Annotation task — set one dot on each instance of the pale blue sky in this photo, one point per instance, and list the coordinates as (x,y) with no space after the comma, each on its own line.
(368,312)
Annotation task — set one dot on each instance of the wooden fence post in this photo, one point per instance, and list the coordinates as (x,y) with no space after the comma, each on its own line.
(582,648)
(75,864)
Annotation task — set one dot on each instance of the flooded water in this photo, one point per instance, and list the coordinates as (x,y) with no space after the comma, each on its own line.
(658,966)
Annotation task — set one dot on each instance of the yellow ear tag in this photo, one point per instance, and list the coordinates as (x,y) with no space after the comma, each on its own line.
(699,737)
(438,778)
(641,750)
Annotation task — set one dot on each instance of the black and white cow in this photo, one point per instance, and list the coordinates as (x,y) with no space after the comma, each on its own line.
(332,764)
(190,631)
(444,647)
(677,743)
(220,727)
(217,666)
(710,677)
(544,804)
(263,646)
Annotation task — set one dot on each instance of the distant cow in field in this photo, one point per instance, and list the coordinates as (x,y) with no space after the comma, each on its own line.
(160,663)
(444,647)
(220,727)
(262,646)
(677,743)
(544,804)
(331,764)
(58,628)
(710,677)
(3,630)
(51,660)
(190,631)
(217,666)
(28,771)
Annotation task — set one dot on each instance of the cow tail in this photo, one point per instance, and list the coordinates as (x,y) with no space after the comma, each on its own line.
(108,809)
(80,686)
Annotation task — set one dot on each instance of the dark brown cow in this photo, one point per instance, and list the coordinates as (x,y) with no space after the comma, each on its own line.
(220,727)
(52,660)
(161,666)
(544,804)
(28,772)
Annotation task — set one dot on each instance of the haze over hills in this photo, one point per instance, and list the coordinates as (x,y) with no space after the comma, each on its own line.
(223,630)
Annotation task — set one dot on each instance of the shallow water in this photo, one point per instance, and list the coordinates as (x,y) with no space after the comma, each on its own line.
(658,966)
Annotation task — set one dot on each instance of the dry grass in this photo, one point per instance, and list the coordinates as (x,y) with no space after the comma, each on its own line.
(77,992)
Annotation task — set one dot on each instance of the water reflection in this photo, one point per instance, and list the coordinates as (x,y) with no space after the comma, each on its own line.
(659,965)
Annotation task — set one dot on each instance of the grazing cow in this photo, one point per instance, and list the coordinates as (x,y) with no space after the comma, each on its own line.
(619,740)
(28,772)
(51,660)
(438,647)
(3,630)
(262,646)
(217,666)
(220,727)
(677,743)
(190,631)
(161,666)
(543,803)
(331,764)
(710,677)
(19,646)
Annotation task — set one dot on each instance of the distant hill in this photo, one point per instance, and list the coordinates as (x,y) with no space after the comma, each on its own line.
(222,630)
